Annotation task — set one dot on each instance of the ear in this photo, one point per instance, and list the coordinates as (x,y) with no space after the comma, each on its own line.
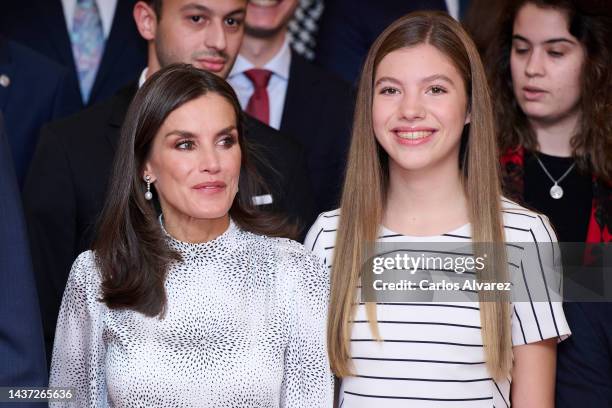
(148,171)
(146,20)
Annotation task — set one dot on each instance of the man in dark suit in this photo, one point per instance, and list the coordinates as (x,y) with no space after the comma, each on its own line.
(22,358)
(348,29)
(297,97)
(66,187)
(42,26)
(24,73)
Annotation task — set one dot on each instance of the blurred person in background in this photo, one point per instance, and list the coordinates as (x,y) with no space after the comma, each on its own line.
(96,41)
(348,28)
(552,82)
(22,352)
(32,93)
(281,88)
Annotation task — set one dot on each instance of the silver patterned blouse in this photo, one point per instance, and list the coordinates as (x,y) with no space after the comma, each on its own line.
(244,327)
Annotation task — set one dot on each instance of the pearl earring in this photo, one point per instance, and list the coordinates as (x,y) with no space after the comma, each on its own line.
(148,194)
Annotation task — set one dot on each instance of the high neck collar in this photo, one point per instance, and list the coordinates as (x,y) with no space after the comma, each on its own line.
(223,242)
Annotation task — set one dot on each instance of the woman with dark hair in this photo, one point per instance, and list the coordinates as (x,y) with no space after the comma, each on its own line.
(423,168)
(551,77)
(196,307)
(551,74)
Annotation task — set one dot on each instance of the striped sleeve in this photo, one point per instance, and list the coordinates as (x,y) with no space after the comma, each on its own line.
(537,309)
(321,236)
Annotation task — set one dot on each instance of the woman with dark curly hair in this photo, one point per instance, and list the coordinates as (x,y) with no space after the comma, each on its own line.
(551,76)
(552,83)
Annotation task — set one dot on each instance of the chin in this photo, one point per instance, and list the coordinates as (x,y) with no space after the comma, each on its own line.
(538,114)
(210,212)
(210,215)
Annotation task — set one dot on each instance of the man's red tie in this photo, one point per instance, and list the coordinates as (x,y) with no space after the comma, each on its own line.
(259,103)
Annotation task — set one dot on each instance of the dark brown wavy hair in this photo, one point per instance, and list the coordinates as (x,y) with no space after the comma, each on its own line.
(130,246)
(592,143)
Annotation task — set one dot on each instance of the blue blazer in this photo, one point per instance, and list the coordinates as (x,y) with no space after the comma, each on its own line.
(348,29)
(41,26)
(584,360)
(22,356)
(32,92)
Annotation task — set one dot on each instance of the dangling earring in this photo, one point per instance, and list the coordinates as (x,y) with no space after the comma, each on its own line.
(148,194)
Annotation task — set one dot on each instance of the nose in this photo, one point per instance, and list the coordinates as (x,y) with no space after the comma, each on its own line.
(209,161)
(535,64)
(412,107)
(214,35)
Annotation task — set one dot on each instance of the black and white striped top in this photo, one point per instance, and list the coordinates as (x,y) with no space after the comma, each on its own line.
(432,353)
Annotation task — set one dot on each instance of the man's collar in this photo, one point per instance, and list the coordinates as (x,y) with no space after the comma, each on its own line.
(279,64)
(143,77)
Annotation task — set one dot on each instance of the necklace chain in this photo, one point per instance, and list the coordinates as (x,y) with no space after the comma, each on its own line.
(551,177)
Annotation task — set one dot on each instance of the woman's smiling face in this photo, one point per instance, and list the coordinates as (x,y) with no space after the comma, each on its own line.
(419,108)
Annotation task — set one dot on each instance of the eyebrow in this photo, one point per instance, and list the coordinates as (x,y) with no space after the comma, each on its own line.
(550,41)
(434,77)
(190,135)
(204,9)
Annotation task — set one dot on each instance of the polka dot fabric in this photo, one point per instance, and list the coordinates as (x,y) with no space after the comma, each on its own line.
(245,327)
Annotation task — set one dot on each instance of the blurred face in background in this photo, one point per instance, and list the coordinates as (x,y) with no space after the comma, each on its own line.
(194,160)
(546,63)
(266,18)
(204,33)
(419,108)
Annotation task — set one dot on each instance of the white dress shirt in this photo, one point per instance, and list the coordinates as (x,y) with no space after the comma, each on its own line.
(277,87)
(453,8)
(105,7)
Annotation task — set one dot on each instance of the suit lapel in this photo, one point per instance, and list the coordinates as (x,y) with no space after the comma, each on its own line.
(302,85)
(121,102)
(56,29)
(122,25)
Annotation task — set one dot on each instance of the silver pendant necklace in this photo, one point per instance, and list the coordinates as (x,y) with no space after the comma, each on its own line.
(556,191)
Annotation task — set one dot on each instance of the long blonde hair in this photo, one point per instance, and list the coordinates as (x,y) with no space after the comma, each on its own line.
(366,184)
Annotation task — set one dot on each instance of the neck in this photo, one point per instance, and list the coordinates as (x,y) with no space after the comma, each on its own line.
(152,62)
(259,51)
(194,230)
(554,138)
(427,202)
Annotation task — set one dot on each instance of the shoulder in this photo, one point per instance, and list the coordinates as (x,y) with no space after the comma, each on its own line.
(282,250)
(333,85)
(322,235)
(33,65)
(85,274)
(89,124)
(285,259)
(268,139)
(524,225)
